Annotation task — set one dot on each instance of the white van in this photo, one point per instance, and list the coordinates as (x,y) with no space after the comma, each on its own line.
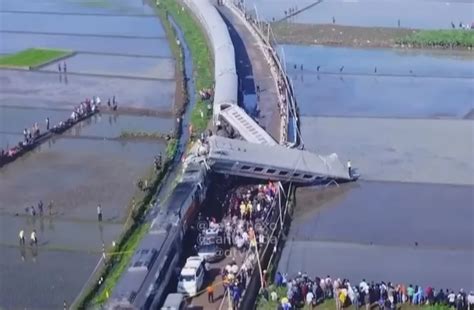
(174,301)
(191,278)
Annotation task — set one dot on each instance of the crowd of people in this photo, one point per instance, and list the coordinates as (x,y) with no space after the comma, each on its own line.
(303,290)
(243,230)
(32,135)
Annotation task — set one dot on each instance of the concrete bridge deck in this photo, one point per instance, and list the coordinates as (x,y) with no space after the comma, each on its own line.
(254,70)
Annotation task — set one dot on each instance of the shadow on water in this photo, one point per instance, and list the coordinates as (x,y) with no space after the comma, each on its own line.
(247,96)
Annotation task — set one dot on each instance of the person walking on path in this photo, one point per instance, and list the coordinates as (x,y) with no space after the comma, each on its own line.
(99,213)
(64,67)
(33,238)
(21,236)
(210,294)
(59,67)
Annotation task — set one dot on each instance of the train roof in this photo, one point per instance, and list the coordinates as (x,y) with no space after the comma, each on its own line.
(133,278)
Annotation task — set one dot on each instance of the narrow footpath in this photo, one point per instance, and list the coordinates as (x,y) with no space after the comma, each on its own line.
(253,70)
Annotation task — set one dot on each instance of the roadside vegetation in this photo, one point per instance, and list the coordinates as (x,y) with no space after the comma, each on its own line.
(440,38)
(143,135)
(107,277)
(376,37)
(118,257)
(32,58)
(202,60)
(263,304)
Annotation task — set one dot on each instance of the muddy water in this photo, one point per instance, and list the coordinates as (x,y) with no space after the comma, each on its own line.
(437,63)
(408,131)
(109,7)
(97,171)
(423,14)
(369,229)
(47,90)
(435,216)
(44,281)
(8,140)
(147,26)
(127,66)
(65,235)
(114,45)
(14,120)
(405,150)
(406,84)
(87,165)
(113,125)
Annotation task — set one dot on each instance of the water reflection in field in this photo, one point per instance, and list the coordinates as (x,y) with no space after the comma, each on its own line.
(380,83)
(423,14)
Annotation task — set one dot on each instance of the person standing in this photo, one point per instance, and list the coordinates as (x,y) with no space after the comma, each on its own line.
(99,213)
(59,67)
(47,123)
(210,294)
(349,168)
(21,236)
(64,67)
(40,208)
(33,238)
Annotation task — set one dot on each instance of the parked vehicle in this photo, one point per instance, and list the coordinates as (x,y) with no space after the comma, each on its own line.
(210,252)
(174,301)
(192,276)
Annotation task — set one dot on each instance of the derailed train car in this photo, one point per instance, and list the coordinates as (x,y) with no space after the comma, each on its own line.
(143,284)
(225,72)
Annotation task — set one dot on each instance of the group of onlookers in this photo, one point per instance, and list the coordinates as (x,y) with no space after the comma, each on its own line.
(303,290)
(31,135)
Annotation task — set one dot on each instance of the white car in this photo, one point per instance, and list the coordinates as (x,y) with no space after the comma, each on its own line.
(192,275)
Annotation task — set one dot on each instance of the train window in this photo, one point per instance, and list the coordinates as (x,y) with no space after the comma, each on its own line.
(271,170)
(283,173)
(245,168)
(307,176)
(296,175)
(258,169)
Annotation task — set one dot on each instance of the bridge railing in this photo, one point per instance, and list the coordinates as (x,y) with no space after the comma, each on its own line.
(287,102)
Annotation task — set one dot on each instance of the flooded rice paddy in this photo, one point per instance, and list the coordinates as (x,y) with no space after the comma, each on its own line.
(370,230)
(381,83)
(52,90)
(121,50)
(409,218)
(422,14)
(106,7)
(103,45)
(111,25)
(125,66)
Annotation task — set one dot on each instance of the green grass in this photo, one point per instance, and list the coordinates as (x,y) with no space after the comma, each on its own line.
(142,135)
(32,57)
(171,148)
(198,120)
(135,229)
(202,60)
(440,38)
(262,304)
(122,257)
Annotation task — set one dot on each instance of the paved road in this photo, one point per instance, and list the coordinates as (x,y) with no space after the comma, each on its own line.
(253,70)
